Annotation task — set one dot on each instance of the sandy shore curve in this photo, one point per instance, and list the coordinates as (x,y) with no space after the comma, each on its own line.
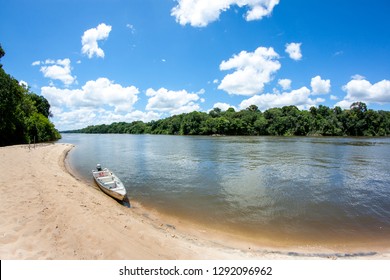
(46,213)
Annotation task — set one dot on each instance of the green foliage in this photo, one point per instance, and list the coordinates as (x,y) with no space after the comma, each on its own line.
(39,126)
(11,120)
(23,114)
(285,121)
(41,104)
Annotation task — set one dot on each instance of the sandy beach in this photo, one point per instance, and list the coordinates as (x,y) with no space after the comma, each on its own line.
(47,213)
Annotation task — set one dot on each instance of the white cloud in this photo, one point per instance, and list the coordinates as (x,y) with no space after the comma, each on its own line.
(100,101)
(143,116)
(109,117)
(294,50)
(300,98)
(201,91)
(57,70)
(85,116)
(75,119)
(357,77)
(98,94)
(200,13)
(253,71)
(223,106)
(173,102)
(259,9)
(23,84)
(359,89)
(91,36)
(334,97)
(285,83)
(320,86)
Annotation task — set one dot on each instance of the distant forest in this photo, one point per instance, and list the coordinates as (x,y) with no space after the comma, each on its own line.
(285,121)
(24,116)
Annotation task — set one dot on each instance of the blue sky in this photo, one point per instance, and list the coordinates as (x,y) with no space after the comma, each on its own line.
(123,60)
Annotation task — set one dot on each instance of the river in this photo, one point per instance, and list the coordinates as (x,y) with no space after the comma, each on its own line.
(294,190)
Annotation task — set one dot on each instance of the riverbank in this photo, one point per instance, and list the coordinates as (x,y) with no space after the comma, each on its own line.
(46,213)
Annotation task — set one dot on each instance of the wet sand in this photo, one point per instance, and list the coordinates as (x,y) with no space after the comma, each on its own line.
(46,213)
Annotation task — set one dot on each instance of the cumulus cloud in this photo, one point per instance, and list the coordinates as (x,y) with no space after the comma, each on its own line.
(359,89)
(98,94)
(252,71)
(258,9)
(285,83)
(85,116)
(200,13)
(98,101)
(299,97)
(294,50)
(320,86)
(173,102)
(90,39)
(57,70)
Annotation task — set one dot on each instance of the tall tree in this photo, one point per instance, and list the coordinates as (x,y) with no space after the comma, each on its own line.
(23,114)
(41,104)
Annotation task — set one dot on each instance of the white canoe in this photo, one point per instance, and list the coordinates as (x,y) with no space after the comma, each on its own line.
(109,183)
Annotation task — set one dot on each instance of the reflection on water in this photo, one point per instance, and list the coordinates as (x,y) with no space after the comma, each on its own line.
(297,190)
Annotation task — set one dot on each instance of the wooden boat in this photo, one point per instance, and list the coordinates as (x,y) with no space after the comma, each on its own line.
(109,183)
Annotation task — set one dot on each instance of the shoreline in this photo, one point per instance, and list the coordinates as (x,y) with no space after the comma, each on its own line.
(56,215)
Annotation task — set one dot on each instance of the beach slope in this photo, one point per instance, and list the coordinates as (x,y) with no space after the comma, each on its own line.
(46,213)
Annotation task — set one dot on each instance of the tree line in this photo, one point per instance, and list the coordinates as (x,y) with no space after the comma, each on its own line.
(285,121)
(24,115)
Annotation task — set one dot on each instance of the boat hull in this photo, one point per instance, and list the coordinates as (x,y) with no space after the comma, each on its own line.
(110,184)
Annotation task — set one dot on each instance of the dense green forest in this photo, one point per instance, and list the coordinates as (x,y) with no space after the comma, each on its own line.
(24,116)
(286,121)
